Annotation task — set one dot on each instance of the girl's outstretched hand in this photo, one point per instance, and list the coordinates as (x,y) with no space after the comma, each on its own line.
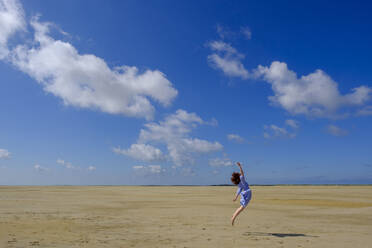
(241,169)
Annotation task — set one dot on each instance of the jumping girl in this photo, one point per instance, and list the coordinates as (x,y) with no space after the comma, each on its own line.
(243,190)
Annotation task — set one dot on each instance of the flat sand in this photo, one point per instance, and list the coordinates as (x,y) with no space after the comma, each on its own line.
(177,216)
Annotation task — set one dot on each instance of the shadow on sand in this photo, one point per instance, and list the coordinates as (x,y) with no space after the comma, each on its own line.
(279,235)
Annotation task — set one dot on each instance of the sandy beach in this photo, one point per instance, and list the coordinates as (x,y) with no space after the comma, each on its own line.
(178,216)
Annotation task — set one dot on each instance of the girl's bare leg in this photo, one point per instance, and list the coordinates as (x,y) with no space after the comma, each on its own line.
(237,212)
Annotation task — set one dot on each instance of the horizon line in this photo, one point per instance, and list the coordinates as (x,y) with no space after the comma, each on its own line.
(192,185)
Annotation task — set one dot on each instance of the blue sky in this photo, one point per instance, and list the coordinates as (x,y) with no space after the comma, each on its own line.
(171,92)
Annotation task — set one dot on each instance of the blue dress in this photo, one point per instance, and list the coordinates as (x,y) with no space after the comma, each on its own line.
(244,191)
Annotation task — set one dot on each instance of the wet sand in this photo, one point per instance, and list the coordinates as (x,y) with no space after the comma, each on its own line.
(126,216)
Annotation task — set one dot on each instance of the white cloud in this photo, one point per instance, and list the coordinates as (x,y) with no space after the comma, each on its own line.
(274,131)
(246,31)
(367,110)
(60,161)
(40,168)
(82,80)
(200,146)
(225,32)
(217,162)
(315,94)
(292,123)
(4,154)
(142,152)
(227,59)
(67,165)
(173,132)
(155,169)
(212,122)
(235,137)
(187,171)
(220,46)
(11,21)
(336,131)
(150,169)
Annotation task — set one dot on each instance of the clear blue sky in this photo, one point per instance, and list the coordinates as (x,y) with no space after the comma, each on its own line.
(175,92)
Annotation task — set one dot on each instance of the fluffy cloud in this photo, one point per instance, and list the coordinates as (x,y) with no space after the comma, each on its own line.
(217,162)
(274,131)
(315,94)
(66,164)
(173,132)
(227,59)
(142,152)
(150,169)
(336,131)
(69,166)
(246,31)
(40,168)
(4,154)
(292,123)
(224,32)
(82,80)
(367,110)
(187,171)
(235,137)
(11,20)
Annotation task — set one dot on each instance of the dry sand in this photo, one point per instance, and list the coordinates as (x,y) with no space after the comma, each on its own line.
(125,216)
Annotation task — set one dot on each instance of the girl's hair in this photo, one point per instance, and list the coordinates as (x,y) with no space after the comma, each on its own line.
(235,178)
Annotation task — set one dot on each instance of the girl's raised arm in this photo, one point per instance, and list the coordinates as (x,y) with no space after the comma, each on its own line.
(241,170)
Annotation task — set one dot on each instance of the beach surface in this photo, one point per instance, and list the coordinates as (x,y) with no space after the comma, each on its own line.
(181,216)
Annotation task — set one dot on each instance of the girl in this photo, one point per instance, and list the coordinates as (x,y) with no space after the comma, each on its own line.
(243,189)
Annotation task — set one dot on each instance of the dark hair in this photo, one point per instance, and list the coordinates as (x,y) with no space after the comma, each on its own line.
(235,178)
